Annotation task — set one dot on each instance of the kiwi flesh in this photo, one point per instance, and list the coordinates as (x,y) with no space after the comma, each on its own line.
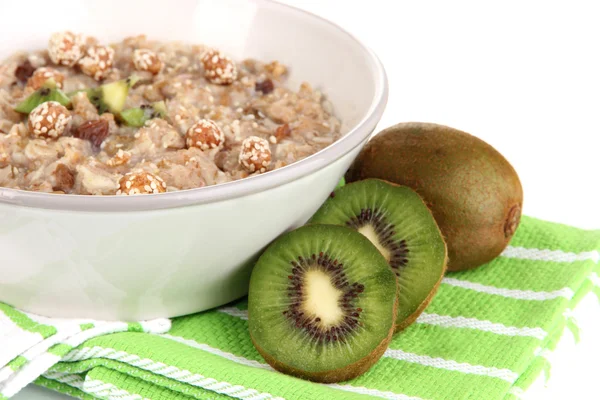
(473,192)
(138,116)
(111,97)
(322,304)
(397,221)
(40,96)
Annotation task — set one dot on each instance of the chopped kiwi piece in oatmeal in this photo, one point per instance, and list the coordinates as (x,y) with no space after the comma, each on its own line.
(111,97)
(139,115)
(40,96)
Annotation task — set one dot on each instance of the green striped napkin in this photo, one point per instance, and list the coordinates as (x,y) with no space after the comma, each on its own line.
(483,337)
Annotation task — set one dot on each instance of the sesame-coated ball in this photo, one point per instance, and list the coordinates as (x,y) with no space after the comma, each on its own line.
(49,120)
(98,61)
(65,48)
(141,183)
(218,68)
(255,154)
(147,60)
(205,135)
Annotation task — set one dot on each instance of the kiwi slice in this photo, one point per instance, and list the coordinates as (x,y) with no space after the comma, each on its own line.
(40,96)
(322,303)
(139,115)
(397,221)
(111,97)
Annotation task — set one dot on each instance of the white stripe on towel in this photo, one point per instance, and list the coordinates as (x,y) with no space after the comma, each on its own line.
(549,255)
(451,365)
(567,293)
(595,279)
(480,325)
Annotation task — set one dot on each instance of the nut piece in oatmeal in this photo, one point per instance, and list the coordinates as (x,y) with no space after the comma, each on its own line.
(276,69)
(282,132)
(120,158)
(49,120)
(141,183)
(255,154)
(64,178)
(205,135)
(147,60)
(65,48)
(98,61)
(45,77)
(218,68)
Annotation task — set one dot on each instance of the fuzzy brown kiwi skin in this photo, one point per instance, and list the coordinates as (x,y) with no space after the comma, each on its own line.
(337,375)
(473,192)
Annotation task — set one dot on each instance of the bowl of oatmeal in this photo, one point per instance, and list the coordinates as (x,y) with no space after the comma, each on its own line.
(144,167)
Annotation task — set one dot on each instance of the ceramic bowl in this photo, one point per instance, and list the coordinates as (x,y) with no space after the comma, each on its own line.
(141,257)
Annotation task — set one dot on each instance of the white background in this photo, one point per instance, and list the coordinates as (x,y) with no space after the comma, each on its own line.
(522,75)
(525,77)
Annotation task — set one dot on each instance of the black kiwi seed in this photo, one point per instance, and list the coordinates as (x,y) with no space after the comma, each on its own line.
(385,234)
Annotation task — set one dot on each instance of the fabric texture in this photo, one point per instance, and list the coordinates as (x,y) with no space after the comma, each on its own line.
(484,336)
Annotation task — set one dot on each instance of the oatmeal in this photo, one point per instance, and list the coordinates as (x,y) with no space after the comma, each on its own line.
(145,117)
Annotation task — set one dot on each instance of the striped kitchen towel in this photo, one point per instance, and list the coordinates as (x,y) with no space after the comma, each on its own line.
(483,337)
(30,345)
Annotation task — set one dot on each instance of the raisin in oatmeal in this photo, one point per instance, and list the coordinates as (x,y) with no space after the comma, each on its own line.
(142,117)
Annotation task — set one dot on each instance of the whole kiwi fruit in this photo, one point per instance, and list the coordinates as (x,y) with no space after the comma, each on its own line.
(473,192)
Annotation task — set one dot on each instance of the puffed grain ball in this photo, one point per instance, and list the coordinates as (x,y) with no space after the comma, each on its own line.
(205,135)
(65,48)
(140,183)
(255,154)
(147,60)
(42,75)
(98,61)
(218,68)
(49,120)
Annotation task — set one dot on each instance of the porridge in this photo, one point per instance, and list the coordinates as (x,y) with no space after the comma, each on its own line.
(141,117)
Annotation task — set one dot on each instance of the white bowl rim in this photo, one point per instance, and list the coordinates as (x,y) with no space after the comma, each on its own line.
(230,190)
